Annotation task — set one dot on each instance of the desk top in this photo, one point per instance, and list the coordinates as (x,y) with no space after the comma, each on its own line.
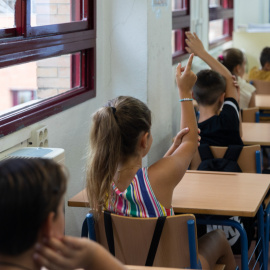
(263,102)
(215,193)
(220,193)
(256,133)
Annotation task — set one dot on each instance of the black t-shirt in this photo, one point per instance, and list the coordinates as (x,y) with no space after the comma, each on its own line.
(222,129)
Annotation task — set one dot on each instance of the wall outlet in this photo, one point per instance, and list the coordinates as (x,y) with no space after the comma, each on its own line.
(39,137)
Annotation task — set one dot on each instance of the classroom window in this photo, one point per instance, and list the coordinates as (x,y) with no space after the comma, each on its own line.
(220,21)
(47,59)
(180,24)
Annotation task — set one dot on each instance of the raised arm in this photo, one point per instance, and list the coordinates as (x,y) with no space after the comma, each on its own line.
(165,174)
(195,46)
(185,80)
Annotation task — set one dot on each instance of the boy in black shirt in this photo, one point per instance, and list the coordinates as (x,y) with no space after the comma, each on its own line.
(213,89)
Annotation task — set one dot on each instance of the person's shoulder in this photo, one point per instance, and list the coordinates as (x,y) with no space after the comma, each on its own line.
(254,69)
(230,107)
(245,86)
(230,101)
(253,72)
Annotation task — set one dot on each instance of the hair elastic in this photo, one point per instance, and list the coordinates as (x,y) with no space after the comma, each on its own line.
(221,57)
(186,99)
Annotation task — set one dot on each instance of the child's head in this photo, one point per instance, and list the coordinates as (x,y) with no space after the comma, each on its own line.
(265,59)
(234,60)
(115,132)
(209,87)
(30,191)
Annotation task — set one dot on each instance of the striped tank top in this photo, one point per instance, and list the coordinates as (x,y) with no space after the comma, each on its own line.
(138,200)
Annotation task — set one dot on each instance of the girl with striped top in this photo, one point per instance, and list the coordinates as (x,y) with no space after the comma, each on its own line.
(120,138)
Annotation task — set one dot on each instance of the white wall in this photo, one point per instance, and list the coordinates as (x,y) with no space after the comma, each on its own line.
(250,11)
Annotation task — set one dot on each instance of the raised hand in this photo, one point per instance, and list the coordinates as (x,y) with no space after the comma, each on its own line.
(185,78)
(194,44)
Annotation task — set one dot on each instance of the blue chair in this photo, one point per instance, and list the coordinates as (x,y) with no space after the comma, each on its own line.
(139,241)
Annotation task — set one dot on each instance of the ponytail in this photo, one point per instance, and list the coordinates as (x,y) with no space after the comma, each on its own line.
(104,157)
(114,135)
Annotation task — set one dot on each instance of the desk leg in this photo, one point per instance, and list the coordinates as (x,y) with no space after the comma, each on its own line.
(243,236)
(267,224)
(260,217)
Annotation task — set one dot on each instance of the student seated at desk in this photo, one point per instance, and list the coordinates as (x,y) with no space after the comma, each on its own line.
(262,74)
(116,181)
(32,221)
(234,60)
(213,90)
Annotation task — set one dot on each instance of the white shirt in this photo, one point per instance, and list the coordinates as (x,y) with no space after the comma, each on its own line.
(246,91)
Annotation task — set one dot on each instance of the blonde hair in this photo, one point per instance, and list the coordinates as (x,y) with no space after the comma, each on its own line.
(114,136)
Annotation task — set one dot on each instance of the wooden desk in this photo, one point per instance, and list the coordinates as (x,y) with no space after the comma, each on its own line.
(214,193)
(218,193)
(256,133)
(263,102)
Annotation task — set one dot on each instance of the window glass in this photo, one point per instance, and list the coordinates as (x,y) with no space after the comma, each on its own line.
(214,3)
(178,41)
(215,30)
(179,4)
(37,80)
(7,14)
(55,12)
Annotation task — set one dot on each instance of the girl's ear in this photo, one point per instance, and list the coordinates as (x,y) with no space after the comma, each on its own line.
(47,228)
(144,140)
(238,69)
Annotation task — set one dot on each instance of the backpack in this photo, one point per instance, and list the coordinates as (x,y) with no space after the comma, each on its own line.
(226,164)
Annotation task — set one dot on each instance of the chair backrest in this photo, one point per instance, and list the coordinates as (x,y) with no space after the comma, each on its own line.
(262,87)
(251,115)
(249,160)
(133,236)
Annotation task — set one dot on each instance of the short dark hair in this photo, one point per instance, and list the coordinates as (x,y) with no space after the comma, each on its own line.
(29,190)
(208,87)
(265,56)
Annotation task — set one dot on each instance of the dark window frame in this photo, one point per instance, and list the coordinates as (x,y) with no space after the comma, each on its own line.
(223,12)
(50,41)
(181,22)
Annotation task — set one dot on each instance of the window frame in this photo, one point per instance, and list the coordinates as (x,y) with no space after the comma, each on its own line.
(222,13)
(181,22)
(51,42)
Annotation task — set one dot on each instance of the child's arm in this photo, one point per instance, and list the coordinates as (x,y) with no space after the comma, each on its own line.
(168,171)
(177,140)
(195,46)
(72,253)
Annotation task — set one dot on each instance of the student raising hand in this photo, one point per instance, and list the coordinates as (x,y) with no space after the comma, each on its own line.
(194,44)
(185,78)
